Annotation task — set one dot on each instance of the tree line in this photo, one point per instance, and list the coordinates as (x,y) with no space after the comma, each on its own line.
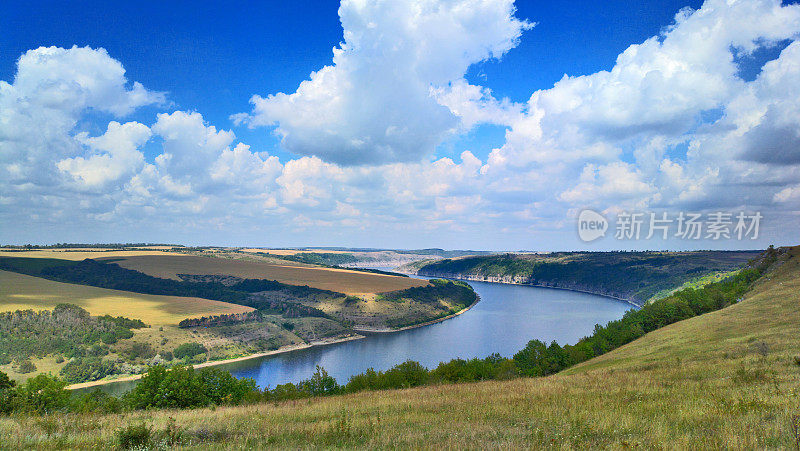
(68,331)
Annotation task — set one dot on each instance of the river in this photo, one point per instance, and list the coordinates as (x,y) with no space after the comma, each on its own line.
(504,320)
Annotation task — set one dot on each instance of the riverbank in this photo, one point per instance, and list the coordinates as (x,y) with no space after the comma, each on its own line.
(415,326)
(282,350)
(523,284)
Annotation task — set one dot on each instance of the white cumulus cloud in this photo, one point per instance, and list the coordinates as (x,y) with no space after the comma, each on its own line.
(377,101)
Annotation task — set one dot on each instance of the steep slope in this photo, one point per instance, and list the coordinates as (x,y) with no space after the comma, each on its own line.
(633,276)
(724,379)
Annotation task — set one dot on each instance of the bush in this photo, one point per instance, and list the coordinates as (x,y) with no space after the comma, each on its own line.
(350,300)
(26,366)
(458,370)
(140,350)
(220,387)
(87,369)
(134,436)
(167,388)
(41,394)
(537,359)
(406,374)
(124,322)
(183,387)
(320,384)
(96,401)
(5,381)
(189,350)
(6,394)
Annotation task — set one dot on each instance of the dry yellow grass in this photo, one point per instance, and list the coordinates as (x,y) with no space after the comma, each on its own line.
(341,280)
(19,291)
(80,254)
(291,251)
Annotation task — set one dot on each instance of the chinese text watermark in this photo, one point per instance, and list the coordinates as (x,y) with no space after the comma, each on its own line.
(683,225)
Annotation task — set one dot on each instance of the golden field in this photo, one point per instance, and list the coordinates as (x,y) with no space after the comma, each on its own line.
(340,280)
(81,254)
(21,292)
(256,250)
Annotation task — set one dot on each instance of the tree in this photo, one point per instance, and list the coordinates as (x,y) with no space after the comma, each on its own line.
(5,381)
(41,394)
(320,384)
(189,350)
(531,360)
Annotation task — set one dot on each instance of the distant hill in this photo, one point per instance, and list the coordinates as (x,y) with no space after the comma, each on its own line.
(632,276)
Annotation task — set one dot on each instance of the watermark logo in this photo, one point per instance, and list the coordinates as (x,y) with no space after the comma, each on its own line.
(683,225)
(591,225)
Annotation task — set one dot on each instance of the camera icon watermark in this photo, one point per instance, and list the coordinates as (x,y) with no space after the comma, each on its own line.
(683,225)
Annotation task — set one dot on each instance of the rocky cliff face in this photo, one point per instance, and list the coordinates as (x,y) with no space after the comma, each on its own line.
(521,280)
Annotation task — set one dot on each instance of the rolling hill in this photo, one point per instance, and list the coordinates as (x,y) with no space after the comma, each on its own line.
(637,277)
(726,379)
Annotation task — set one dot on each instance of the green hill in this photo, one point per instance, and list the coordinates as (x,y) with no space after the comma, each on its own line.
(633,276)
(726,379)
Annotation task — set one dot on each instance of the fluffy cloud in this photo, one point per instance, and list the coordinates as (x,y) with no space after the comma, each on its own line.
(612,130)
(114,155)
(377,102)
(40,109)
(190,145)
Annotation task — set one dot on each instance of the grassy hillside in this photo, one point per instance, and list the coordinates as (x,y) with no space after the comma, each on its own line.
(633,276)
(201,301)
(726,379)
(162,313)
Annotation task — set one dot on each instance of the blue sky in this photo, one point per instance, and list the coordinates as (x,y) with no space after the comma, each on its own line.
(212,57)
(211,138)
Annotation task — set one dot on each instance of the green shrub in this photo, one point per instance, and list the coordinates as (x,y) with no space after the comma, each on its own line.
(124,322)
(134,436)
(26,366)
(96,401)
(139,350)
(183,387)
(160,387)
(350,300)
(220,387)
(458,370)
(5,381)
(6,394)
(320,383)
(87,369)
(6,401)
(189,350)
(41,394)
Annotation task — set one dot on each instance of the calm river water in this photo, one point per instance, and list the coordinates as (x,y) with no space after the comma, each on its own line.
(505,319)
